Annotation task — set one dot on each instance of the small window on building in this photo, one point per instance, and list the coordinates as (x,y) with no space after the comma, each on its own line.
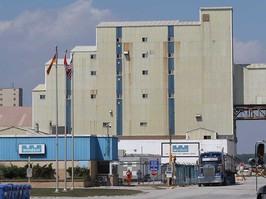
(118,39)
(207,137)
(1,104)
(144,39)
(145,95)
(119,96)
(145,72)
(1,99)
(93,96)
(118,56)
(93,56)
(42,96)
(106,124)
(14,93)
(205,17)
(143,124)
(119,73)
(171,39)
(14,105)
(144,55)
(171,72)
(14,99)
(171,55)
(171,95)
(93,73)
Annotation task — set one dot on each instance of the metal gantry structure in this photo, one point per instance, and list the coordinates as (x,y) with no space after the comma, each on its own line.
(250,112)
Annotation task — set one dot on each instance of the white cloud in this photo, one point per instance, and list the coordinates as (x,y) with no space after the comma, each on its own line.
(249,52)
(4,26)
(28,41)
(75,22)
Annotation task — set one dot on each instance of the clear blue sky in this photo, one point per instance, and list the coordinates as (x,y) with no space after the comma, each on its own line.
(30,29)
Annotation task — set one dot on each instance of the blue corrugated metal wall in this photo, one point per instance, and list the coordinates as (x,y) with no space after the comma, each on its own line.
(85,148)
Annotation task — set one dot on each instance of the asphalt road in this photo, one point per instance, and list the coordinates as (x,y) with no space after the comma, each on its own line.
(243,189)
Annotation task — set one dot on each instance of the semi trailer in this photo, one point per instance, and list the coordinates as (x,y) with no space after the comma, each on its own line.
(216,168)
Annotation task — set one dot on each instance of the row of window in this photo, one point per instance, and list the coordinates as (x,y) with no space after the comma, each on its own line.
(119,96)
(144,39)
(13,99)
(145,55)
(144,72)
(13,105)
(142,124)
(144,96)
(13,94)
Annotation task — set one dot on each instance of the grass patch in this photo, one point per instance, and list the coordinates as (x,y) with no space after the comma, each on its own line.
(82,192)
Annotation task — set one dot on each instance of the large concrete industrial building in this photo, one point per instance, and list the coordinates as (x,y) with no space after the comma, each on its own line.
(152,79)
(157,77)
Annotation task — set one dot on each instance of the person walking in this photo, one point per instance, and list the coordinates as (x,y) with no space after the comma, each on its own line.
(241,171)
(128,176)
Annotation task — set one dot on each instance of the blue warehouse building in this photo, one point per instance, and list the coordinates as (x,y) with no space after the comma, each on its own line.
(94,152)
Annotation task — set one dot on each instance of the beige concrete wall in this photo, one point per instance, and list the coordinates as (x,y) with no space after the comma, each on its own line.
(203,76)
(254,84)
(85,108)
(44,110)
(106,79)
(153,109)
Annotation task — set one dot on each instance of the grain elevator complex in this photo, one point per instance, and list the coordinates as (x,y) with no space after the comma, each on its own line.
(146,80)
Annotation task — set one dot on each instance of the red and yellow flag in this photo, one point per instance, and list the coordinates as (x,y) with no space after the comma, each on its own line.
(51,64)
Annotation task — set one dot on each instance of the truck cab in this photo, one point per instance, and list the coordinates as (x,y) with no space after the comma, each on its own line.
(216,168)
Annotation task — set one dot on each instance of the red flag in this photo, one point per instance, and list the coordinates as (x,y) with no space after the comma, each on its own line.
(68,67)
(51,64)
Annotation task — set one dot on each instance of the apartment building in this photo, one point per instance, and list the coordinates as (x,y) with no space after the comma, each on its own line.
(11,97)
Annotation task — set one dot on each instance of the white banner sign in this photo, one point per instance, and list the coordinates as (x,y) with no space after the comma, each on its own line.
(31,148)
(181,149)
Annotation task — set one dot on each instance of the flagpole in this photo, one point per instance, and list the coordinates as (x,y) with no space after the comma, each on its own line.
(72,133)
(56,129)
(65,139)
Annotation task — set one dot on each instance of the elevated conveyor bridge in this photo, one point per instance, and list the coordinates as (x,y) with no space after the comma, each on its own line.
(250,112)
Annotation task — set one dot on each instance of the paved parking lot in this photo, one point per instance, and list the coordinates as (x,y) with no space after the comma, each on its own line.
(243,189)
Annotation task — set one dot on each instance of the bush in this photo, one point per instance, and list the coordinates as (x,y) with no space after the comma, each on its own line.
(11,172)
(15,172)
(80,172)
(44,172)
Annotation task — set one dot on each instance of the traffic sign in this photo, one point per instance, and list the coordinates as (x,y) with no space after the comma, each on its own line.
(154,165)
(154,173)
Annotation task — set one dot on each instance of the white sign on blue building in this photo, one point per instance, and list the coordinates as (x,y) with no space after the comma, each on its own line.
(31,148)
(181,149)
